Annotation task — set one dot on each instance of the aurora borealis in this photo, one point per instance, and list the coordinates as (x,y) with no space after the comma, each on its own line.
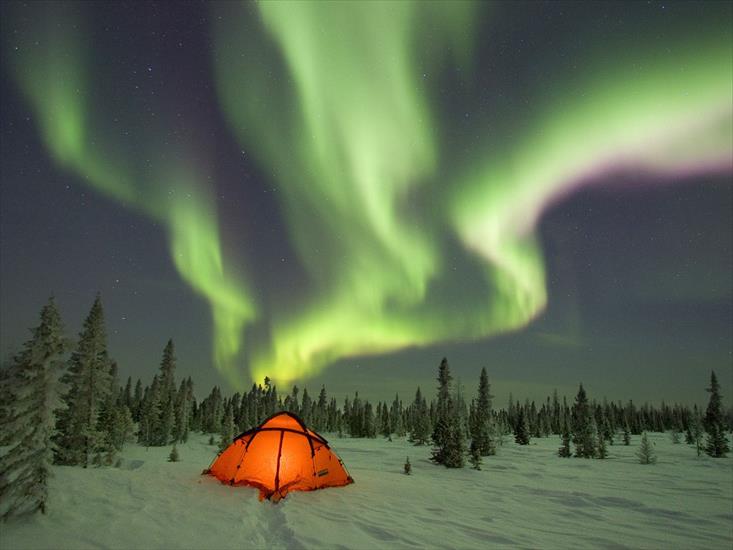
(348,183)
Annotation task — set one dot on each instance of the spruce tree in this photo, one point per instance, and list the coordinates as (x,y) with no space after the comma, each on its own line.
(482,429)
(408,466)
(173,456)
(521,432)
(420,433)
(602,448)
(582,428)
(564,451)
(88,380)
(29,389)
(697,431)
(475,455)
(448,433)
(717,443)
(627,434)
(646,451)
(227,429)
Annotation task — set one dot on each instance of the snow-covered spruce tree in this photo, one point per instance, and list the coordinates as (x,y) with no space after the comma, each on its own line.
(582,428)
(474,455)
(173,456)
(227,429)
(449,444)
(166,425)
(368,424)
(697,431)
(482,431)
(442,414)
(521,432)
(602,448)
(88,380)
(564,451)
(627,434)
(29,390)
(646,451)
(715,422)
(420,433)
(149,414)
(108,419)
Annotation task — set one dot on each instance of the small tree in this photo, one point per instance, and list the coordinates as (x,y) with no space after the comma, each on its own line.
(564,451)
(475,455)
(602,450)
(697,432)
(173,457)
(408,466)
(521,432)
(675,435)
(715,423)
(646,451)
(627,434)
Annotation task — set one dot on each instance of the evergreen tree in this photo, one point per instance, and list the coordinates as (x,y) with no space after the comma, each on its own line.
(564,451)
(28,391)
(165,426)
(482,432)
(173,456)
(521,432)
(137,400)
(445,417)
(408,466)
(582,428)
(420,433)
(627,434)
(602,449)
(697,431)
(227,429)
(88,379)
(475,455)
(646,452)
(150,414)
(717,443)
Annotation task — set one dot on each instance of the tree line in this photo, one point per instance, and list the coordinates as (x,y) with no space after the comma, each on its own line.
(73,411)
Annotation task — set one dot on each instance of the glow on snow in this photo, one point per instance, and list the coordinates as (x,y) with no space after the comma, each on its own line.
(351,134)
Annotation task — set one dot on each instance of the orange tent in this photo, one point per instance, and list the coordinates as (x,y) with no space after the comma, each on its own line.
(278,456)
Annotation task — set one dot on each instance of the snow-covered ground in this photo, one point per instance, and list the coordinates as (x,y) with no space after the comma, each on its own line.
(524,497)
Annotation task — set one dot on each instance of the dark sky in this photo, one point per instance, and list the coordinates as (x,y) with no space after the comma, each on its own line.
(346,193)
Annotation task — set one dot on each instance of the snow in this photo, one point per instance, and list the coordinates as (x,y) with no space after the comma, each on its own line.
(523,497)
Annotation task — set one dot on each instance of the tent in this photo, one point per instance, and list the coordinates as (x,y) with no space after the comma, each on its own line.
(278,456)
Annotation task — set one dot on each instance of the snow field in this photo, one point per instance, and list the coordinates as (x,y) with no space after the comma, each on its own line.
(524,497)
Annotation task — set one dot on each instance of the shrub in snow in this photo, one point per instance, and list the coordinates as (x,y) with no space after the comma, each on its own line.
(28,391)
(173,457)
(408,466)
(646,451)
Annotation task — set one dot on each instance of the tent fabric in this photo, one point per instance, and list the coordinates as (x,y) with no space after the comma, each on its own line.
(278,456)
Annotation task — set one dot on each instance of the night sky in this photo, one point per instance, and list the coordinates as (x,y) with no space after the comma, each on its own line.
(344,193)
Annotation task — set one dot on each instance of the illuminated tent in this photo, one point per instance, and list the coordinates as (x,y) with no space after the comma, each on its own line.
(278,456)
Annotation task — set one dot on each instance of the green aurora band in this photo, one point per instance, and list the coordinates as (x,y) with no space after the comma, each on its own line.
(355,145)
(55,77)
(405,240)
